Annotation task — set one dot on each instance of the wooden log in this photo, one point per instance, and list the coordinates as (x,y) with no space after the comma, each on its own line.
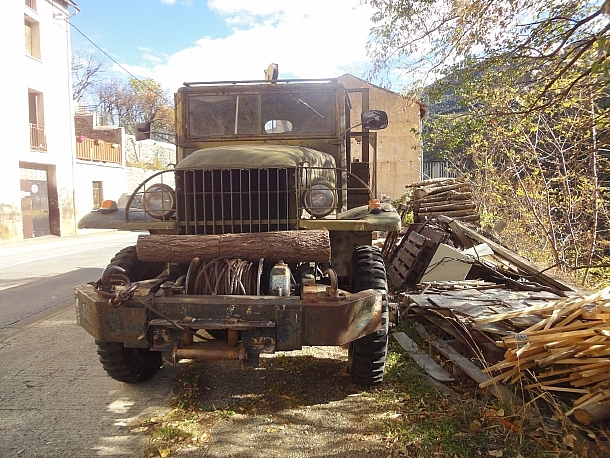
(447,213)
(417,204)
(470,218)
(592,413)
(446,196)
(433,182)
(289,246)
(423,192)
(446,207)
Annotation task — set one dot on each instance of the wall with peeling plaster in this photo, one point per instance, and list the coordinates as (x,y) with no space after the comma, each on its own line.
(398,146)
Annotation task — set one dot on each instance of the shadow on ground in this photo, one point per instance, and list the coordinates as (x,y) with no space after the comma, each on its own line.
(294,404)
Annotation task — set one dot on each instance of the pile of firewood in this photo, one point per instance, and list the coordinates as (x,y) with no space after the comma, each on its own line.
(443,196)
(567,350)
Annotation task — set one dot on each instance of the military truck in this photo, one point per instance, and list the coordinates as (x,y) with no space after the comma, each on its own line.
(258,238)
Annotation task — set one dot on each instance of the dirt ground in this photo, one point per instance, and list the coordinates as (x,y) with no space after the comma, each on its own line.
(303,404)
(294,404)
(56,401)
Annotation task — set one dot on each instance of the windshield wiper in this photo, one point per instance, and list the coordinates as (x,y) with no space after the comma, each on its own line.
(311,108)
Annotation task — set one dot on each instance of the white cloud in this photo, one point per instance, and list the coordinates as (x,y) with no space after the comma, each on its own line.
(173,2)
(306,38)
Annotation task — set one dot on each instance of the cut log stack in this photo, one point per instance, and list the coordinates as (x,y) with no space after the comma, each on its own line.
(444,196)
(568,351)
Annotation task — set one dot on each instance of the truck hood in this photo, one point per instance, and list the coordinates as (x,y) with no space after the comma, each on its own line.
(255,156)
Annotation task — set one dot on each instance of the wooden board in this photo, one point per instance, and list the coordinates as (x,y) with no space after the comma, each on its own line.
(519,261)
(465,365)
(422,359)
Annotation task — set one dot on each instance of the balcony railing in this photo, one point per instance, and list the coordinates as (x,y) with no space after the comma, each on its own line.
(98,150)
(38,141)
(437,169)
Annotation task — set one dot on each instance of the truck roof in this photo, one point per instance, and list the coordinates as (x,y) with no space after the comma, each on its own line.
(285,81)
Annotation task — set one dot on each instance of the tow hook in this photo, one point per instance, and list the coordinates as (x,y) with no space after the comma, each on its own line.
(112,272)
(332,291)
(105,286)
(124,295)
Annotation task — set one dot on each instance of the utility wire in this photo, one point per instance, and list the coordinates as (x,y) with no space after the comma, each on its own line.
(109,57)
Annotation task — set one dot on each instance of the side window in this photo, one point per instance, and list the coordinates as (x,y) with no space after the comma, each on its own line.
(98,194)
(32,37)
(38,140)
(36,108)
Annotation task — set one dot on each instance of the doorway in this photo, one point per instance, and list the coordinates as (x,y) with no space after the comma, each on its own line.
(35,202)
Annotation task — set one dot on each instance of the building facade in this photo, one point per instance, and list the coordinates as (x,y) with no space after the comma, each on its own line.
(36,122)
(110,165)
(398,147)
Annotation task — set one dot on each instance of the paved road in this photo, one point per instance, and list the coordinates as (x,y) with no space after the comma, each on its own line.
(55,398)
(38,275)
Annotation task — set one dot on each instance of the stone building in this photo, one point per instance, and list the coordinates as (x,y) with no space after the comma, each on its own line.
(398,146)
(36,124)
(110,165)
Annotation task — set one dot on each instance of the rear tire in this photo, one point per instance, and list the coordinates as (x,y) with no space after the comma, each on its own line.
(135,269)
(129,365)
(367,355)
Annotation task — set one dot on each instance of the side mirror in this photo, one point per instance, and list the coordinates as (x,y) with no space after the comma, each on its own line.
(142,131)
(374,119)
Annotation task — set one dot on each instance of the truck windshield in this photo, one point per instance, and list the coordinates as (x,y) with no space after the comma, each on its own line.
(274,113)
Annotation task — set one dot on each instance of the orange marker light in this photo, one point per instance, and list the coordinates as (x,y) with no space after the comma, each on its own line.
(108,206)
(374,203)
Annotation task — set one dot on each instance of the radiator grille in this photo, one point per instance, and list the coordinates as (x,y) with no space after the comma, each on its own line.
(236,200)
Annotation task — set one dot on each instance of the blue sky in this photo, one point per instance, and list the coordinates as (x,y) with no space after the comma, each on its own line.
(174,41)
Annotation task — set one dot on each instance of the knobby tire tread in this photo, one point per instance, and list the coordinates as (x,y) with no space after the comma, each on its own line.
(367,355)
(130,365)
(135,269)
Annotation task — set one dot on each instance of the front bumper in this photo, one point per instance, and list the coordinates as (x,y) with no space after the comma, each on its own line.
(264,324)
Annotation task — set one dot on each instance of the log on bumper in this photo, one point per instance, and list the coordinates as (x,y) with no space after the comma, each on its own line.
(289,246)
(314,320)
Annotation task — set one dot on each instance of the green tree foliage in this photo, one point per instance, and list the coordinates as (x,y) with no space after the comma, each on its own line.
(138,101)
(529,124)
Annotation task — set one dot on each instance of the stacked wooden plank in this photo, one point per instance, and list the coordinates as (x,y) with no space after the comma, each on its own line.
(454,307)
(567,349)
(444,196)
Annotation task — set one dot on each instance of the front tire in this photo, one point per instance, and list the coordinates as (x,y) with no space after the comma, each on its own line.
(135,269)
(367,355)
(129,365)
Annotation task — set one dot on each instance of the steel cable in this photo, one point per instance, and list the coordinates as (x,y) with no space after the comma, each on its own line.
(224,276)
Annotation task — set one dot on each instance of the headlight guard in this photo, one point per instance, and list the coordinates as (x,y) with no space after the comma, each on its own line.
(320,199)
(159,201)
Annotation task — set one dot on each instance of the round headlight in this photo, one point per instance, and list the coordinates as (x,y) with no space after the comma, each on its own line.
(319,200)
(159,201)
